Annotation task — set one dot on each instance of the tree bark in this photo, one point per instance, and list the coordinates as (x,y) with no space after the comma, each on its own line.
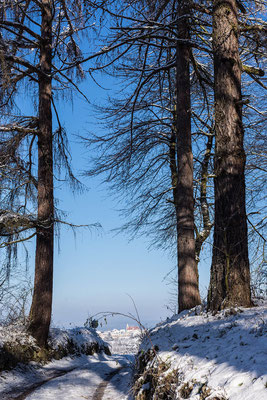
(40,314)
(230,274)
(188,290)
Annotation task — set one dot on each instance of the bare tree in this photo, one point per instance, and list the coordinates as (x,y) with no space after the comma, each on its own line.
(188,290)
(135,166)
(39,46)
(41,308)
(230,275)
(148,154)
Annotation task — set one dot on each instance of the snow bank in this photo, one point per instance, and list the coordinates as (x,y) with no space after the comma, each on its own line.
(15,333)
(203,356)
(17,346)
(77,340)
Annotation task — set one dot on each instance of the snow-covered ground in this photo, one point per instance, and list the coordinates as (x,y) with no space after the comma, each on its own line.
(122,341)
(222,356)
(97,377)
(80,376)
(225,354)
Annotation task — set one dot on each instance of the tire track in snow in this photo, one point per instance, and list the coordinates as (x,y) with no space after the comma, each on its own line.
(98,393)
(100,390)
(31,389)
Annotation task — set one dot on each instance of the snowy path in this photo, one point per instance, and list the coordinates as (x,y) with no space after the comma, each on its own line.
(98,377)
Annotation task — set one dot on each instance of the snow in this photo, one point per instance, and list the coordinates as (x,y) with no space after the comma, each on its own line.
(82,382)
(82,338)
(227,352)
(122,341)
(77,377)
(15,333)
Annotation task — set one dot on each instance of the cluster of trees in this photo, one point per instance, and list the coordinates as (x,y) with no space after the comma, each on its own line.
(177,124)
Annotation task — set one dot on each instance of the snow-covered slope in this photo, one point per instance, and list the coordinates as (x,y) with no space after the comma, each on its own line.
(205,356)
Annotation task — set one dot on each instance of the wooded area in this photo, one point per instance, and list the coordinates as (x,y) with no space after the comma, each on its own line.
(184,142)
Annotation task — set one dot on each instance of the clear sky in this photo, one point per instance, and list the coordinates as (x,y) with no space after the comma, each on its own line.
(96,271)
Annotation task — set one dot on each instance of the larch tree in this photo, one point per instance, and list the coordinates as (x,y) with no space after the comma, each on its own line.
(39,47)
(41,308)
(148,153)
(153,45)
(230,273)
(188,287)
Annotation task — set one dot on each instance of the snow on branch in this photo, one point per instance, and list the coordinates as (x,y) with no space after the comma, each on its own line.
(11,222)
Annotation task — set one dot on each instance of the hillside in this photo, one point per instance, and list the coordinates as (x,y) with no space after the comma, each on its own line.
(197,355)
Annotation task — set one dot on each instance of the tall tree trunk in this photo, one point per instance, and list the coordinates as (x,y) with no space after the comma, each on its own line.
(188,290)
(230,275)
(40,315)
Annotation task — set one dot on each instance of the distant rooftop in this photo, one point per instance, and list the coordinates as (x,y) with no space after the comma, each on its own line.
(132,328)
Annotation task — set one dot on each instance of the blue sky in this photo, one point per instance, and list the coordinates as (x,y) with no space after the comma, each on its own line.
(96,270)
